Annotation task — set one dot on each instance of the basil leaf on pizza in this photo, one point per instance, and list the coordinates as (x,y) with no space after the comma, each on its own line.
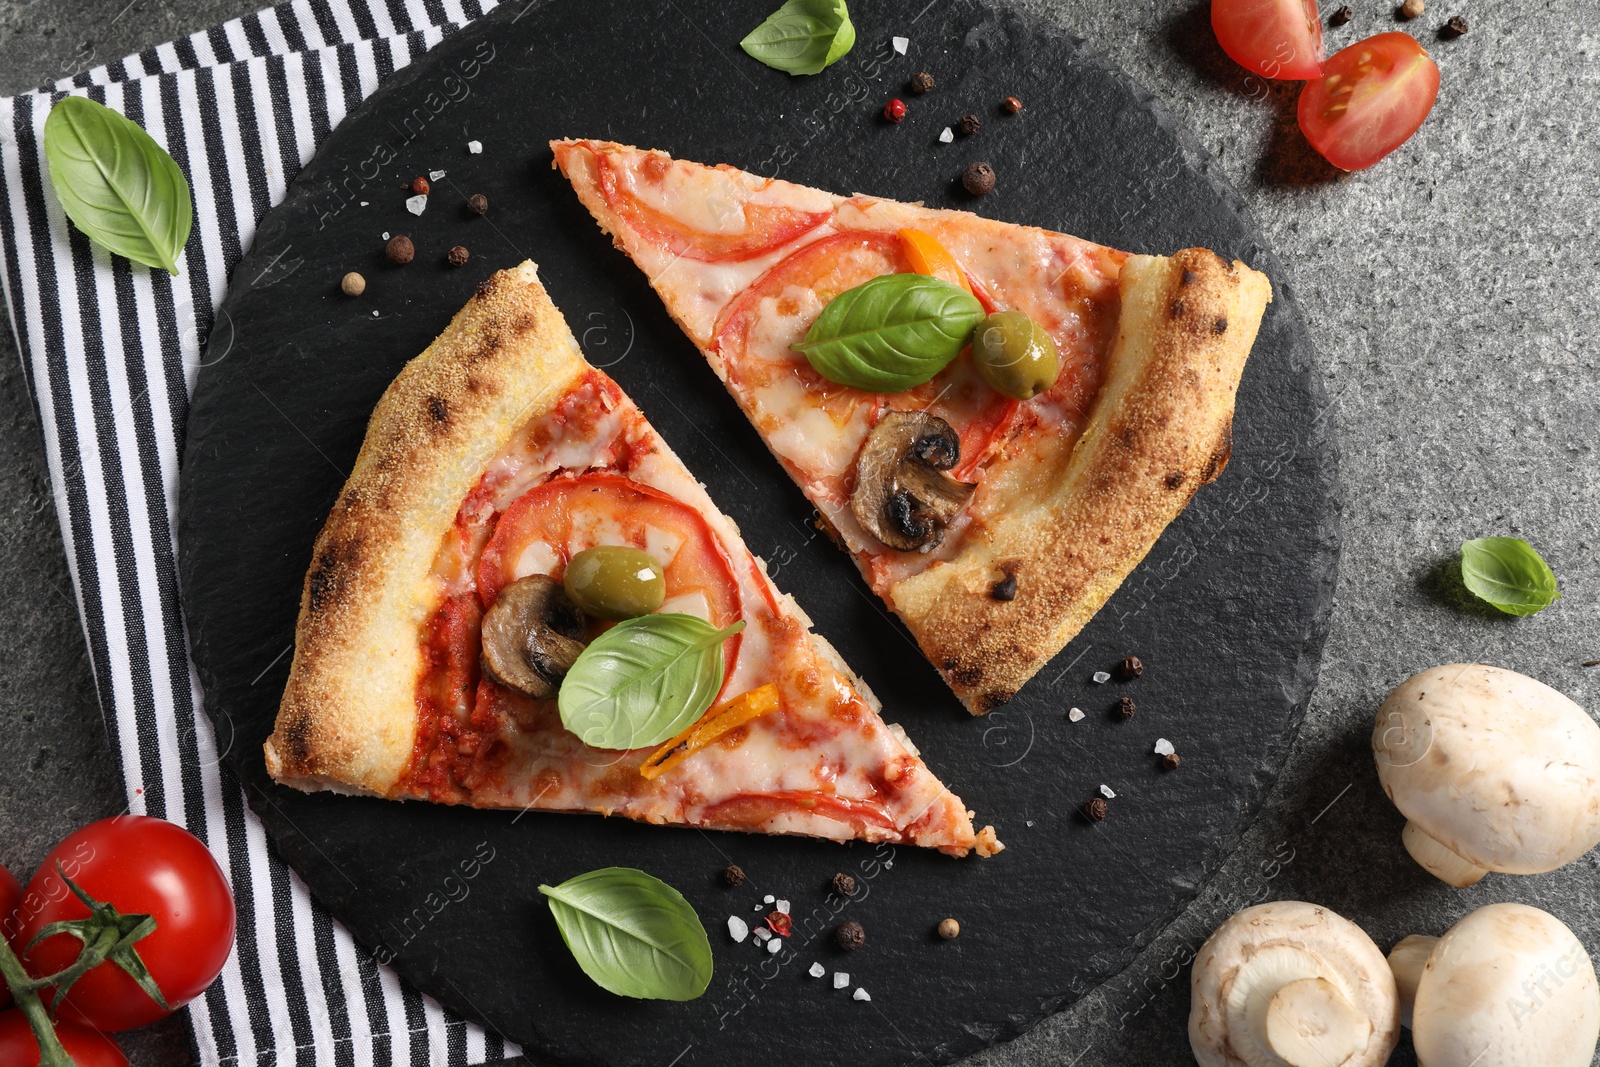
(117,184)
(632,933)
(892,333)
(644,680)
(1508,573)
(802,36)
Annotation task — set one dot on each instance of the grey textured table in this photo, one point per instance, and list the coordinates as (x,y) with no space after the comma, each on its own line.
(1451,292)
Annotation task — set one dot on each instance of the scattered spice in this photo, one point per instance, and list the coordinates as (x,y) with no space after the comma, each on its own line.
(1126,708)
(478,204)
(970,124)
(949,929)
(1130,668)
(1591,663)
(1011,105)
(895,110)
(1170,761)
(844,885)
(1341,16)
(1075,715)
(850,935)
(1100,678)
(1096,809)
(1411,9)
(353,284)
(420,186)
(1454,27)
(399,250)
(458,256)
(733,874)
(780,924)
(921,82)
(978,179)
(1005,588)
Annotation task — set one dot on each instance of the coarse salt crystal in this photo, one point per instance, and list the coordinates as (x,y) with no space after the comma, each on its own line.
(1030,822)
(888,865)
(762,933)
(1105,791)
(1101,677)
(840,979)
(385,235)
(363,203)
(474,147)
(860,994)
(783,907)
(774,945)
(817,970)
(1076,714)
(738,929)
(768,899)
(758,907)
(947,136)
(901,44)
(1164,747)
(417,204)
(374,314)
(435,175)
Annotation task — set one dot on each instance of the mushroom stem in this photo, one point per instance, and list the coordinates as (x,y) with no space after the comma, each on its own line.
(1309,1023)
(1406,960)
(1438,860)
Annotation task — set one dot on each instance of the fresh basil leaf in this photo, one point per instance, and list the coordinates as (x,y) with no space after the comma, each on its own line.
(892,333)
(644,680)
(116,184)
(803,36)
(633,934)
(1508,573)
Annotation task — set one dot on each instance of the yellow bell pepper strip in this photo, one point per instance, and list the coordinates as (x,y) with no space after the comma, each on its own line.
(725,717)
(929,257)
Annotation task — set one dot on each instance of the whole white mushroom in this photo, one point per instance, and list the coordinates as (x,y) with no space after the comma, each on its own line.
(1290,984)
(1508,986)
(1493,770)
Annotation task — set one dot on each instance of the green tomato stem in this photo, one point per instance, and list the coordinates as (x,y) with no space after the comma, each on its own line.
(26,992)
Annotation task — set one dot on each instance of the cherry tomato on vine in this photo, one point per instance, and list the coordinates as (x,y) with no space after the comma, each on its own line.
(10,899)
(1274,38)
(1371,98)
(88,1048)
(139,865)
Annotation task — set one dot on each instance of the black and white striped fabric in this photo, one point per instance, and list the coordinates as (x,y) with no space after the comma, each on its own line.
(112,350)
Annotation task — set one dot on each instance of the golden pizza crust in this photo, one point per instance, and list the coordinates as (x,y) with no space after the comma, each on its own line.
(1161,427)
(348,718)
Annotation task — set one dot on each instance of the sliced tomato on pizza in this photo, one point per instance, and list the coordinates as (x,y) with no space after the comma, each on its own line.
(440,631)
(995,524)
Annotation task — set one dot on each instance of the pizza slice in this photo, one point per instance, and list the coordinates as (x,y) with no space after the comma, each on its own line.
(508,506)
(998,504)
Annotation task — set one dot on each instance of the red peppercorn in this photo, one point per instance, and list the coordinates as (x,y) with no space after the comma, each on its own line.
(780,924)
(894,110)
(420,186)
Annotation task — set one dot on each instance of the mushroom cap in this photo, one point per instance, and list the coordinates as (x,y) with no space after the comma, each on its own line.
(1508,986)
(1499,768)
(1294,940)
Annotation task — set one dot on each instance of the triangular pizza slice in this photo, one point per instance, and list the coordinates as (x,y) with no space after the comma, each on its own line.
(997,505)
(508,506)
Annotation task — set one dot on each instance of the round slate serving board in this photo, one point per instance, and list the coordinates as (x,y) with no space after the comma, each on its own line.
(1228,612)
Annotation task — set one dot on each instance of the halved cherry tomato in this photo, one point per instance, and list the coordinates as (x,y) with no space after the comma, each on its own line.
(551,523)
(10,898)
(1372,97)
(88,1048)
(1274,38)
(766,226)
(139,865)
(929,257)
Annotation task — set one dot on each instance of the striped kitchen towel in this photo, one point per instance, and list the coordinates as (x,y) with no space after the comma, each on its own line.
(112,350)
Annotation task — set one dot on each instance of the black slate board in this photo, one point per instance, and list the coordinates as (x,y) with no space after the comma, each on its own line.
(1228,612)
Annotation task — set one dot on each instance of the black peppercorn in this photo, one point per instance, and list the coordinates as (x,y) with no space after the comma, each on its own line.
(1125,708)
(922,82)
(399,250)
(844,885)
(1455,27)
(978,178)
(733,874)
(1005,588)
(1130,668)
(970,125)
(478,204)
(1011,105)
(850,935)
(458,256)
(1170,761)
(1096,809)
(1341,16)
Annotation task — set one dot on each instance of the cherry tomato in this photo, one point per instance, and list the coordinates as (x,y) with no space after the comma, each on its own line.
(139,865)
(1371,98)
(88,1048)
(10,898)
(1274,38)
